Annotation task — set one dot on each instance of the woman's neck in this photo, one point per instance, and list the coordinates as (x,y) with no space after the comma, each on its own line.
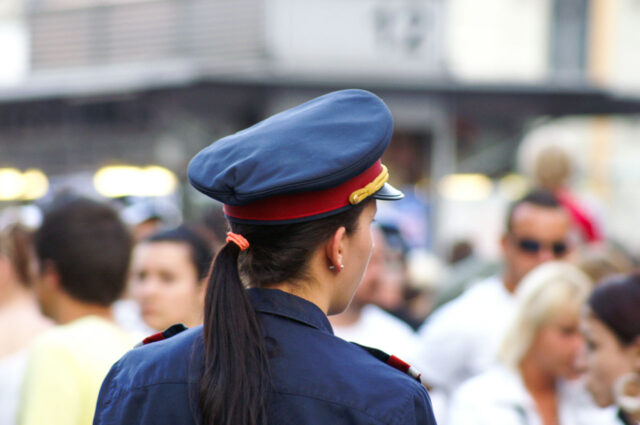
(69,309)
(542,388)
(535,379)
(309,291)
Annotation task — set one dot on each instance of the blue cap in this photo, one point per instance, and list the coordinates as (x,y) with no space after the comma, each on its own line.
(313,160)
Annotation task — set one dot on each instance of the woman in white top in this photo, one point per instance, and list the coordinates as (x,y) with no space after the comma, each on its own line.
(534,383)
(20,317)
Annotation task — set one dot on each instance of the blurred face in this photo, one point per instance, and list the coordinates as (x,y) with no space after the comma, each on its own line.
(558,344)
(371,280)
(393,280)
(358,249)
(538,234)
(605,359)
(164,282)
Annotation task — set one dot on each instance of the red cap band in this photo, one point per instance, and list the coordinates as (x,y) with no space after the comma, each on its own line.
(304,204)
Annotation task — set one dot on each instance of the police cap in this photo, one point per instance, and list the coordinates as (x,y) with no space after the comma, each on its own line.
(314,160)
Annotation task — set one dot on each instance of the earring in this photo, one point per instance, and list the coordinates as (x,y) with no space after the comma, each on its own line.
(626,392)
(332,267)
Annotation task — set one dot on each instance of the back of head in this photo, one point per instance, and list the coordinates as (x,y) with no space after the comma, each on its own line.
(88,246)
(543,293)
(552,167)
(616,303)
(544,154)
(603,260)
(280,253)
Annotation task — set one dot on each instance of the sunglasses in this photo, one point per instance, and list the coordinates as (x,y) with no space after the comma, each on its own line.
(532,246)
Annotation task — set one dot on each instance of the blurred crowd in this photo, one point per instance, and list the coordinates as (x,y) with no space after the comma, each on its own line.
(550,334)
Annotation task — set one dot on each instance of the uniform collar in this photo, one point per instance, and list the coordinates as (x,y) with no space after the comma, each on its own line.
(284,304)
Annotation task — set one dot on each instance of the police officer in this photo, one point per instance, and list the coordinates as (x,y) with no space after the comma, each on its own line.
(299,190)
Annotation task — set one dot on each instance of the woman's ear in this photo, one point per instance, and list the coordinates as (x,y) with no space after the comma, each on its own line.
(334,249)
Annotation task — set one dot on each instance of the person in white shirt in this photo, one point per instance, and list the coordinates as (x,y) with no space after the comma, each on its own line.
(535,382)
(461,339)
(365,323)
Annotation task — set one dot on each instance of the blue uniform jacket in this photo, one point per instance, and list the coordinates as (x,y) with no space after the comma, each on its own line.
(318,378)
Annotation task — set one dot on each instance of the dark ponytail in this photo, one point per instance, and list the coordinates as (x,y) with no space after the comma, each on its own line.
(236,382)
(233,388)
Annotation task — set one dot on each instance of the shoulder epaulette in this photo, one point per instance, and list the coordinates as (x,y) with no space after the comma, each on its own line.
(167,333)
(393,361)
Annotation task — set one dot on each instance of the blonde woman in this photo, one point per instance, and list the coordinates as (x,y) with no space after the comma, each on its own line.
(532,385)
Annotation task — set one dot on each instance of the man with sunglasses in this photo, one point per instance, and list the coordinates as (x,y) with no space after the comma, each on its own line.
(537,230)
(461,339)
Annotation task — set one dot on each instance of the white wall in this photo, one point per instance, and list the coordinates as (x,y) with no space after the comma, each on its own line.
(498,40)
(625,49)
(13,44)
(489,40)
(392,37)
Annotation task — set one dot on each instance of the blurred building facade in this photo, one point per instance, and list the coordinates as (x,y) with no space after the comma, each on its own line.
(90,83)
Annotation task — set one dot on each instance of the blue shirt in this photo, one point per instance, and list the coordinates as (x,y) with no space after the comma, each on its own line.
(317,377)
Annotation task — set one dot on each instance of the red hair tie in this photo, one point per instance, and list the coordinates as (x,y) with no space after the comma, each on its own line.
(238,240)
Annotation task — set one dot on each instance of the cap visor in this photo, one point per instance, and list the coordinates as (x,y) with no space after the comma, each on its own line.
(388,193)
